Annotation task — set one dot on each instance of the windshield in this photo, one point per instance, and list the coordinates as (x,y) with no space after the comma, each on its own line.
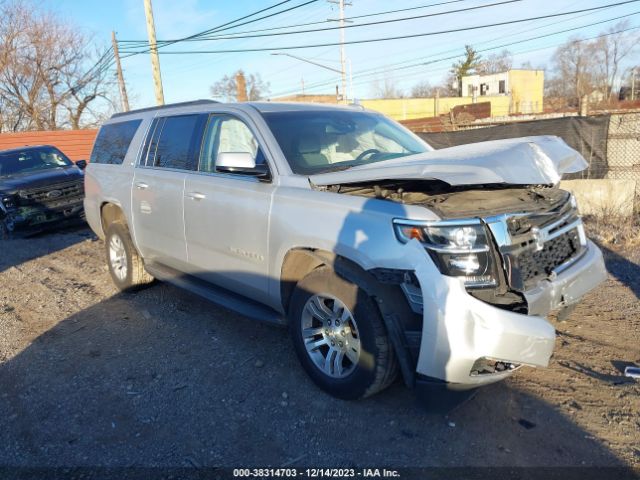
(32,159)
(325,141)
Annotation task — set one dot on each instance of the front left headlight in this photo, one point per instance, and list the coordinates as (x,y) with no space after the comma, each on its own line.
(458,250)
(9,201)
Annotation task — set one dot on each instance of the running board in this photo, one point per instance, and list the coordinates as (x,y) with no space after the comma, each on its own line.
(213,293)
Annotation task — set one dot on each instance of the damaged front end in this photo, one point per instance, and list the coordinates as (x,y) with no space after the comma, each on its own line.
(32,210)
(505,242)
(487,273)
(501,259)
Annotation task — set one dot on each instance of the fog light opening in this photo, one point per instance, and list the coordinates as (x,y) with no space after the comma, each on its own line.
(489,366)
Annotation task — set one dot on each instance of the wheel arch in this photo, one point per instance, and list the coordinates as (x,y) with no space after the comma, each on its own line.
(110,213)
(389,299)
(298,263)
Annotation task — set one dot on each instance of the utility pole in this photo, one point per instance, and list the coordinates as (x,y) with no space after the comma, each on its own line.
(241,87)
(343,61)
(633,83)
(351,96)
(121,84)
(153,49)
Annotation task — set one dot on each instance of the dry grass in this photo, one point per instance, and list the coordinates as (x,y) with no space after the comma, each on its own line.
(610,229)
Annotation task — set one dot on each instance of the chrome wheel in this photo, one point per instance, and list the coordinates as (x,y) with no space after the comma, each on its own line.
(330,335)
(118,257)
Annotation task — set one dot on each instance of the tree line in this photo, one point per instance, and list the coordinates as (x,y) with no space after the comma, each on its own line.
(46,77)
(599,68)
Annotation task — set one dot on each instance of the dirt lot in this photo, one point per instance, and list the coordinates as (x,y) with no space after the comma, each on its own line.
(161,378)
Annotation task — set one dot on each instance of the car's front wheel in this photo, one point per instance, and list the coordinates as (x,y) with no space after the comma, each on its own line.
(339,336)
(125,263)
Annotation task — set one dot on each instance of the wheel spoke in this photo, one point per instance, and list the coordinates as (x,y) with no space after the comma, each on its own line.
(330,335)
(328,361)
(118,257)
(308,333)
(337,363)
(319,302)
(315,344)
(318,309)
(352,354)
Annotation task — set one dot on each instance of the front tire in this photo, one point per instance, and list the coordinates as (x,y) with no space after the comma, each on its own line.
(339,336)
(125,263)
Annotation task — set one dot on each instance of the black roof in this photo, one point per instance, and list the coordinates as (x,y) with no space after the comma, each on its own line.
(162,107)
(26,147)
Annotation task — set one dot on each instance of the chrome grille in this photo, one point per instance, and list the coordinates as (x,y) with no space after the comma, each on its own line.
(53,194)
(535,247)
(533,264)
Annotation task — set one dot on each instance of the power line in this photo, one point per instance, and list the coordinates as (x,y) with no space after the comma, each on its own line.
(449,58)
(519,32)
(309,13)
(225,26)
(421,64)
(379,22)
(225,36)
(399,37)
(104,63)
(497,47)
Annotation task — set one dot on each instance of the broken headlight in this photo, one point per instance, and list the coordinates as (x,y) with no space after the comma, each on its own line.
(9,201)
(458,249)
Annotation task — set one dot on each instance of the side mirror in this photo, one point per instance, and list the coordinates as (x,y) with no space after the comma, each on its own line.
(241,163)
(81,164)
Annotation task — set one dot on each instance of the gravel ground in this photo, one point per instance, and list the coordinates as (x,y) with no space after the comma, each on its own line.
(93,377)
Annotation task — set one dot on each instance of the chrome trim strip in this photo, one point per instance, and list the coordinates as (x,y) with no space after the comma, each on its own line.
(456,251)
(563,266)
(437,223)
(563,230)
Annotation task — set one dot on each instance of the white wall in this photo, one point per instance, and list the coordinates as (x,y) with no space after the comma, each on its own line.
(491,81)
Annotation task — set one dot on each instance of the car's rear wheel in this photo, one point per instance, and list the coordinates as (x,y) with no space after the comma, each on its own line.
(125,263)
(339,336)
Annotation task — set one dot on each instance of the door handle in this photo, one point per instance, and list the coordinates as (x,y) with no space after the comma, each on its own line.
(142,186)
(196,196)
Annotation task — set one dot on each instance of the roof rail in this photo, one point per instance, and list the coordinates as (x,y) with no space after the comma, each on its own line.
(162,107)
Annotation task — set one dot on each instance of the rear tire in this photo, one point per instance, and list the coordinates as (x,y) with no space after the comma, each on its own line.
(361,360)
(125,263)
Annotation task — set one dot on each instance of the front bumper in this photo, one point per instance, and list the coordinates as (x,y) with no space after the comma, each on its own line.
(568,287)
(459,329)
(29,219)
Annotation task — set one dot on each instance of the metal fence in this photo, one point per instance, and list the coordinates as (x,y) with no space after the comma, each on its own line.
(623,147)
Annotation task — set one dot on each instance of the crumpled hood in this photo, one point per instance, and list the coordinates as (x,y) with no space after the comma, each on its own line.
(519,161)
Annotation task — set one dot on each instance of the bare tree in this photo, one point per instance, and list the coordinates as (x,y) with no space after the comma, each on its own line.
(386,87)
(495,63)
(592,67)
(45,71)
(424,89)
(574,71)
(610,50)
(227,87)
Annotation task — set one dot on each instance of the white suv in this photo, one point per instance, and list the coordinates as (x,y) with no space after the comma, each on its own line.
(381,254)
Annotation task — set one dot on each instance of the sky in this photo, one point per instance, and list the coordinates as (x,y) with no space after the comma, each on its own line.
(189,76)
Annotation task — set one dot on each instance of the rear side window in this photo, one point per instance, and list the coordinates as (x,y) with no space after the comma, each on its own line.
(177,144)
(113,142)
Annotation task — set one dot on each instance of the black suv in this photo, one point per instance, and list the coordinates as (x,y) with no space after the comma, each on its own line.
(39,188)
